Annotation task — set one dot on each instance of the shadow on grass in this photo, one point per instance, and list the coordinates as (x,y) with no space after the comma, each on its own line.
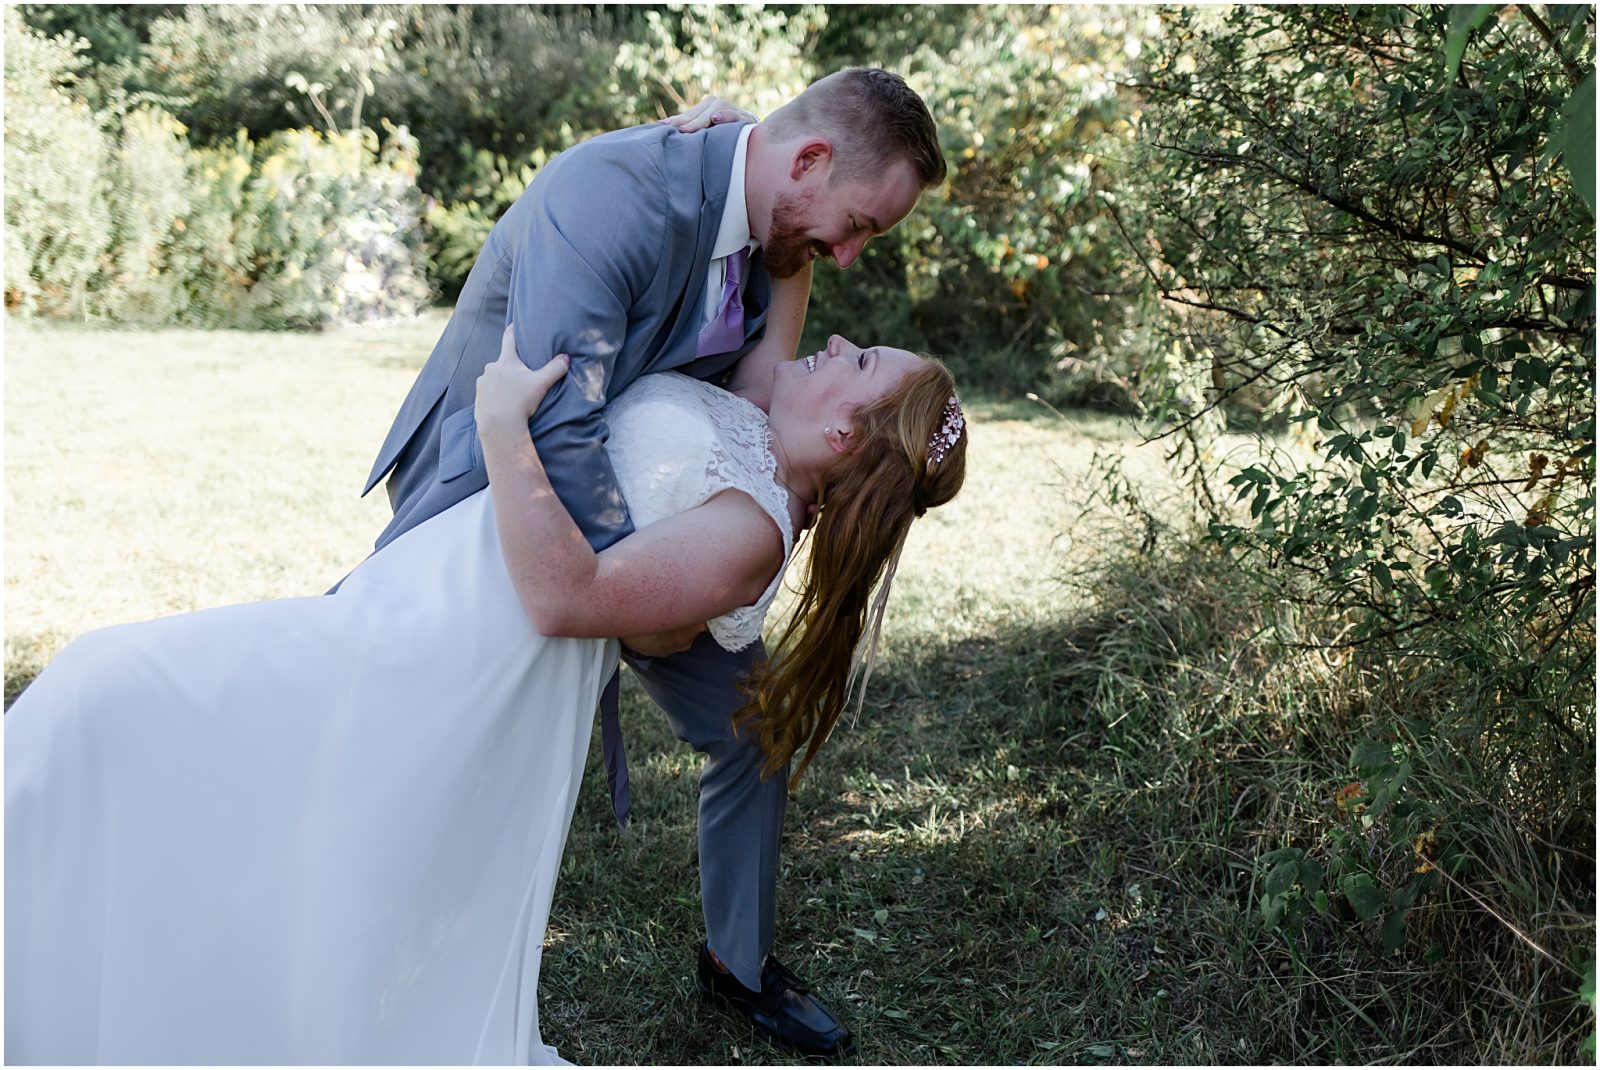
(983,870)
(1037,846)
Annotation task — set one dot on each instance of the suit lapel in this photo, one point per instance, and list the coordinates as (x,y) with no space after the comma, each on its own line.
(757,294)
(716,170)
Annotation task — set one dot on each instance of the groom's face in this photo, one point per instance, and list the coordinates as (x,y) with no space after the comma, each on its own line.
(821,216)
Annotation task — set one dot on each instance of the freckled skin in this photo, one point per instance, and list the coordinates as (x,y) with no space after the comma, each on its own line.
(686,569)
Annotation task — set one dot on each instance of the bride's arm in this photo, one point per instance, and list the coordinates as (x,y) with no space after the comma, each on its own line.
(678,572)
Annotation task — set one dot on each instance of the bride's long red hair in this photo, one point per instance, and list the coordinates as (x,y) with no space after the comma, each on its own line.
(868,499)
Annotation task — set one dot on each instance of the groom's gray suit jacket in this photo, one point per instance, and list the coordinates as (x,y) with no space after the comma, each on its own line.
(605,258)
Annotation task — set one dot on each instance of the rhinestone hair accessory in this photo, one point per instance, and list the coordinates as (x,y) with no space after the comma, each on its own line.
(949,432)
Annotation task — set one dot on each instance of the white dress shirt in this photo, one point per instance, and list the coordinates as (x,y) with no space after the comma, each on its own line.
(733,234)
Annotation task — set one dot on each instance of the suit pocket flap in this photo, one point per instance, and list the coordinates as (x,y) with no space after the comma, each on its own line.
(459,449)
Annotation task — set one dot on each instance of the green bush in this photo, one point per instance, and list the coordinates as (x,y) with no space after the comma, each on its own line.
(457,231)
(1401,268)
(222,67)
(1014,269)
(1369,233)
(57,222)
(757,57)
(117,35)
(476,83)
(119,216)
(218,236)
(335,226)
(151,190)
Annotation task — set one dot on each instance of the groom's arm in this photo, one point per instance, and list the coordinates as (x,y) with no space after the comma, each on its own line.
(586,242)
(752,376)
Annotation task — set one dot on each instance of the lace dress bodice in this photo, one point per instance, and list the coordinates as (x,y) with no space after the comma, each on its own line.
(675,442)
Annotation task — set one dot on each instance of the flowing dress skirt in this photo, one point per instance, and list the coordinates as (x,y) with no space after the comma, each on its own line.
(315,830)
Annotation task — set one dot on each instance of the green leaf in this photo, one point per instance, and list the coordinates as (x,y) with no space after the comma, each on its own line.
(1272,858)
(1574,138)
(1463,20)
(1399,777)
(1369,754)
(1281,878)
(1364,896)
(1311,874)
(1574,15)
(1394,930)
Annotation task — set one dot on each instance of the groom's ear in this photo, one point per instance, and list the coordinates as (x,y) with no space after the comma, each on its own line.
(812,159)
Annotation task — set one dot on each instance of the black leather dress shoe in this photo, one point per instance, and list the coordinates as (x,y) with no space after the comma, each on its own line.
(784,1011)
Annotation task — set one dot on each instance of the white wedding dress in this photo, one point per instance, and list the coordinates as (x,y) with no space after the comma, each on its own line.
(327,829)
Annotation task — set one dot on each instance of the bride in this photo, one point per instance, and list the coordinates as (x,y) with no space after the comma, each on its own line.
(327,829)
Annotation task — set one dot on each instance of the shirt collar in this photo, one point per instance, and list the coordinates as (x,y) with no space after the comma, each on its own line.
(734,233)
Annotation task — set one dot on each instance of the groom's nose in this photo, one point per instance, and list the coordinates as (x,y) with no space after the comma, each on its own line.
(845,253)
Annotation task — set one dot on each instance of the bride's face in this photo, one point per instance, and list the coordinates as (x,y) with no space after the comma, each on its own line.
(826,386)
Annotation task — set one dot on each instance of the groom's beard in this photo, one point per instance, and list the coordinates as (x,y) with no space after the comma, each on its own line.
(787,249)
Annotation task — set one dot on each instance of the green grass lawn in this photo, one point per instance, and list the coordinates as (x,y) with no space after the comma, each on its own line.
(152,473)
(1034,847)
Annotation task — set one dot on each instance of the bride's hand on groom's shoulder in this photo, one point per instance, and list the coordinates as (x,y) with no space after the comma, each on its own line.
(709,112)
(509,391)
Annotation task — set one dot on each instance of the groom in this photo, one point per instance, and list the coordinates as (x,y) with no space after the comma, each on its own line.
(639,251)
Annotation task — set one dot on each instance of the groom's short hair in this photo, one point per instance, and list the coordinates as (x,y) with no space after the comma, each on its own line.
(872,117)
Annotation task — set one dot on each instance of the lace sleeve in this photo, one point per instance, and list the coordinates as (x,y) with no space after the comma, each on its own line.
(675,443)
(742,459)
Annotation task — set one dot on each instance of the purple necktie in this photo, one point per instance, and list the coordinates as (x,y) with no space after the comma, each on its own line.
(725,332)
